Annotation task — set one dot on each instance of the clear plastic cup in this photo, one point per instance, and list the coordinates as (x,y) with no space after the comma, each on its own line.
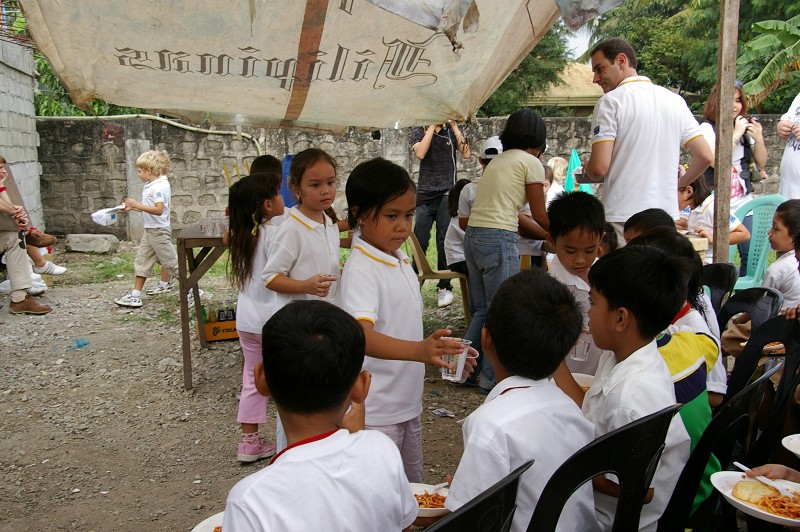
(457,374)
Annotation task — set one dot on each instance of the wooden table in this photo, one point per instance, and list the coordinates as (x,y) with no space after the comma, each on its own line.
(191,269)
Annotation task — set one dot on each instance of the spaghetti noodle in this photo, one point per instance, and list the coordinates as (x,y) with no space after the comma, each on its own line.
(781,505)
(430,500)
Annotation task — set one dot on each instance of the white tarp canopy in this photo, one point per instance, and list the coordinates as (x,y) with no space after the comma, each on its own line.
(323,64)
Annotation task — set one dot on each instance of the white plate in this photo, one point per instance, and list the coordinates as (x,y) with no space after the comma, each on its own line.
(724,481)
(207,525)
(792,443)
(775,348)
(418,489)
(583,380)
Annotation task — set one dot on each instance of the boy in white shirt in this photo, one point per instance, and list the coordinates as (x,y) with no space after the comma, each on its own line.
(327,477)
(577,221)
(156,244)
(636,291)
(531,324)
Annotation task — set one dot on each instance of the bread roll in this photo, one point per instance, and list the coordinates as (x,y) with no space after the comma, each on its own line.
(752,491)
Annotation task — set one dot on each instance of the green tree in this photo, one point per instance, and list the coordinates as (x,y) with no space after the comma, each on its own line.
(537,72)
(771,59)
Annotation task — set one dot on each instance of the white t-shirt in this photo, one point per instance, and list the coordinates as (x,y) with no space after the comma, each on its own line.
(467,198)
(790,162)
(702,217)
(585,356)
(528,246)
(782,276)
(256,304)
(555,189)
(454,242)
(340,483)
(384,290)
(624,392)
(524,420)
(301,249)
(157,191)
(648,125)
(502,190)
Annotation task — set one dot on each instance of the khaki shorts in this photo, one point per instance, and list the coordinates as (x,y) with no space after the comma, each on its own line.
(156,245)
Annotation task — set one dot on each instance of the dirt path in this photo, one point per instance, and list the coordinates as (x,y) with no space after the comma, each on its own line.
(104,437)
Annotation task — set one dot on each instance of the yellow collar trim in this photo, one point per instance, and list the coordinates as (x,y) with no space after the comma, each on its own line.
(373,257)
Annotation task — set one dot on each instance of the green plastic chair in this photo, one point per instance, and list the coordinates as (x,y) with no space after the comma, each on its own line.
(763,209)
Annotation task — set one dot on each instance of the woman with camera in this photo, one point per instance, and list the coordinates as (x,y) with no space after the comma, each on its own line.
(749,155)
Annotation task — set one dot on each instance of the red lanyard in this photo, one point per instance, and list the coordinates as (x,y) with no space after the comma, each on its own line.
(683,312)
(312,439)
(513,388)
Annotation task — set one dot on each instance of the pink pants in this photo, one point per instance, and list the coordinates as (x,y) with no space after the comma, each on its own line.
(252,405)
(408,438)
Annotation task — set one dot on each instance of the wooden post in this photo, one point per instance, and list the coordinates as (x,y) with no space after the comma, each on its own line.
(726,76)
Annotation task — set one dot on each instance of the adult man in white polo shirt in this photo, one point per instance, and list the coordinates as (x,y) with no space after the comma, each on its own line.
(638,129)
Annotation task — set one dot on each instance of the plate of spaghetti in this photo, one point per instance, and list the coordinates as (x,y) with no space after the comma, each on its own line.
(759,500)
(211,524)
(431,504)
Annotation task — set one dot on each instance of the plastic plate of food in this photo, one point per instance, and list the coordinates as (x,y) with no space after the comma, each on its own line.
(772,347)
(210,524)
(583,380)
(757,499)
(792,443)
(430,504)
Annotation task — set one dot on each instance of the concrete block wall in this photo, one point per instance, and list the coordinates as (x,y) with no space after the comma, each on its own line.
(90,164)
(19,140)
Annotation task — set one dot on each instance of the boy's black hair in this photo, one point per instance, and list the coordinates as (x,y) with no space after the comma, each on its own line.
(576,210)
(789,214)
(648,219)
(371,185)
(675,244)
(266,163)
(534,321)
(700,191)
(454,196)
(524,130)
(609,241)
(312,353)
(644,280)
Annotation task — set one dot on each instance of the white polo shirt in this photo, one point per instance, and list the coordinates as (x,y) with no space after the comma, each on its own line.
(256,304)
(782,276)
(702,217)
(454,242)
(384,290)
(626,391)
(301,249)
(340,483)
(520,420)
(579,289)
(648,125)
(467,198)
(157,191)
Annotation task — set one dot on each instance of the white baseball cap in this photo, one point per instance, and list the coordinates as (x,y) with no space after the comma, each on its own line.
(491,147)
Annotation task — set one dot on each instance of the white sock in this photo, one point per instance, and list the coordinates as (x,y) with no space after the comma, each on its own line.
(136,293)
(163,284)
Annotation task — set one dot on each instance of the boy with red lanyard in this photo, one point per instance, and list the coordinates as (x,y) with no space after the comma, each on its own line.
(327,474)
(532,323)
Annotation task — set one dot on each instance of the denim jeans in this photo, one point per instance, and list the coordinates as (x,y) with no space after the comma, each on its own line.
(425,215)
(492,257)
(744,247)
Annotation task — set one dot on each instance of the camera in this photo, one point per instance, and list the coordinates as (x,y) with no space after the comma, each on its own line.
(754,118)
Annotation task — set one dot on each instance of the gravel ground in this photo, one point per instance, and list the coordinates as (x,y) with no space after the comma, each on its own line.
(104,437)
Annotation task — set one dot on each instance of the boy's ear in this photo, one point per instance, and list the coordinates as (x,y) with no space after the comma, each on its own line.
(689,189)
(360,389)
(550,241)
(266,205)
(261,379)
(623,320)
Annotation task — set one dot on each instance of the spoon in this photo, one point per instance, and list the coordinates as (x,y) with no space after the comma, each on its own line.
(765,480)
(435,488)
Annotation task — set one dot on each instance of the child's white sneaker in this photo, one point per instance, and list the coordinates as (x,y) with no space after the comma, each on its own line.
(159,289)
(49,269)
(129,300)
